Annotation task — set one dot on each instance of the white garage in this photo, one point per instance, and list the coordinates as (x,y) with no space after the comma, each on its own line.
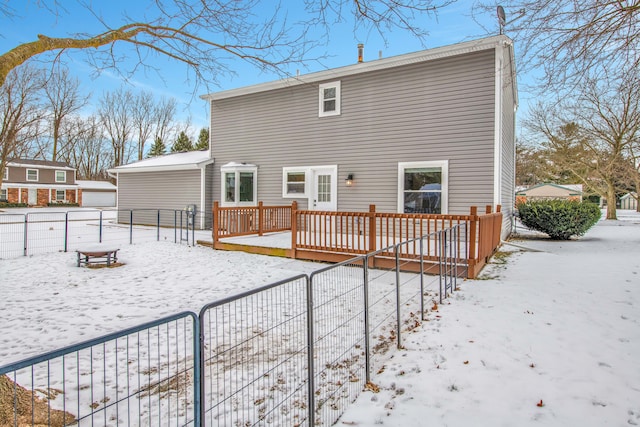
(100,194)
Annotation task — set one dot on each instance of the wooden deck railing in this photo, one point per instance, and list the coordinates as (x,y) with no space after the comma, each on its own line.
(336,236)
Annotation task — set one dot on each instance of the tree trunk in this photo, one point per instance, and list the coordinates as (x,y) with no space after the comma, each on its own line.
(611,202)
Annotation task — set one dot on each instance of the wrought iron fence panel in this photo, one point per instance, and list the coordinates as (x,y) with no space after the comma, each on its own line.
(143,375)
(255,357)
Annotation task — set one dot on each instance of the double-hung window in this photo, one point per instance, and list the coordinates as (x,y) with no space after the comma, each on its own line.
(239,184)
(61,176)
(3,194)
(5,175)
(60,195)
(294,182)
(423,187)
(32,174)
(329,99)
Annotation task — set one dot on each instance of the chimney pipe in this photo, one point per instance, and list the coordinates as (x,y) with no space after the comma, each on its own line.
(360,52)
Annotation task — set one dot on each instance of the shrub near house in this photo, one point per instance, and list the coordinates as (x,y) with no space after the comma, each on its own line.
(560,219)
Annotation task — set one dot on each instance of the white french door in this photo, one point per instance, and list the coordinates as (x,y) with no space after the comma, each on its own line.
(324,195)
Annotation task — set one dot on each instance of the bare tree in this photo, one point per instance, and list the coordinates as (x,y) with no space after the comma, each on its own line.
(572,41)
(62,93)
(85,146)
(164,115)
(116,119)
(19,113)
(142,114)
(203,35)
(591,135)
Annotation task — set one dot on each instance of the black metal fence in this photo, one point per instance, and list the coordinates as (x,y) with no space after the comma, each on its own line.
(295,352)
(50,231)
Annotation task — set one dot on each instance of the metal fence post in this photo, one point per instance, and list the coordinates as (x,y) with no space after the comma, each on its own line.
(439,255)
(367,345)
(175,226)
(422,278)
(158,227)
(100,229)
(131,226)
(310,371)
(398,322)
(66,230)
(26,226)
(198,369)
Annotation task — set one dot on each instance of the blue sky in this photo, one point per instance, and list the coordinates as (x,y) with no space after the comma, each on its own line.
(453,24)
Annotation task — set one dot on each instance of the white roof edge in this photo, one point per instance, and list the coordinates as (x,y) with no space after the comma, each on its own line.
(380,64)
(163,168)
(35,166)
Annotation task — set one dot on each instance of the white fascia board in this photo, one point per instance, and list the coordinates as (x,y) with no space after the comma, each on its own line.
(163,168)
(39,185)
(363,67)
(32,166)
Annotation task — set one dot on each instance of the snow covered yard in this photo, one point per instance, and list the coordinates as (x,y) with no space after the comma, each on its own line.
(547,338)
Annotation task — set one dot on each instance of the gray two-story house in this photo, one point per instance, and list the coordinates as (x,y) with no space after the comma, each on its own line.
(431,131)
(39,183)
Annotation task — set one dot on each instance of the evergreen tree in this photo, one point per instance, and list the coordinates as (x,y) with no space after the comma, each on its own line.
(157,148)
(203,139)
(183,143)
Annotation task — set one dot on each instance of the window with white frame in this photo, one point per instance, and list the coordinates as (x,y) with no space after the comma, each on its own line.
(423,187)
(32,174)
(294,182)
(329,99)
(3,194)
(5,174)
(61,176)
(239,184)
(60,195)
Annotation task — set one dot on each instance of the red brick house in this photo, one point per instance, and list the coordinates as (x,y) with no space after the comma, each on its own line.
(39,183)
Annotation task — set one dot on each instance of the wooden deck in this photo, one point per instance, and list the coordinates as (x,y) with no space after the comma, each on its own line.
(338,236)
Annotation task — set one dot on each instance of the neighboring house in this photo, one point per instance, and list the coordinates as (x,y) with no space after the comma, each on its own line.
(431,131)
(39,183)
(629,201)
(102,194)
(550,191)
(172,181)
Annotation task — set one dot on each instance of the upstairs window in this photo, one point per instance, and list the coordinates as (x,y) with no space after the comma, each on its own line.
(61,176)
(32,174)
(329,98)
(5,175)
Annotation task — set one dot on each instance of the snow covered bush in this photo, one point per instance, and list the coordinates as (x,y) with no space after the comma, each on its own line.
(560,219)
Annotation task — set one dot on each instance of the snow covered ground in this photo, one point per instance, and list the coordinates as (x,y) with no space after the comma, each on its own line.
(549,336)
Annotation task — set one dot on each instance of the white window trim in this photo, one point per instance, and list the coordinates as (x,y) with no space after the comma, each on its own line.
(322,87)
(442,164)
(65,176)
(307,175)
(6,193)
(237,168)
(5,176)
(37,175)
(64,196)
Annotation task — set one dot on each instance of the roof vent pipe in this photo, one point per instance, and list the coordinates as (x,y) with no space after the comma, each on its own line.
(360,52)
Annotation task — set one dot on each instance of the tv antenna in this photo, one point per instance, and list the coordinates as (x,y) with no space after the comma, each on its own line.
(502,17)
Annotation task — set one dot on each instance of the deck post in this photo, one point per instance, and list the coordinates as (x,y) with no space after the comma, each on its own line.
(215,225)
(471,256)
(294,228)
(260,219)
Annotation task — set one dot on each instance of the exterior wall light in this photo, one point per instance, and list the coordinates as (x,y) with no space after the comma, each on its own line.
(349,181)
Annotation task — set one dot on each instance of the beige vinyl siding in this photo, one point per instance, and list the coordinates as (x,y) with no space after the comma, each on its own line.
(508,190)
(436,110)
(157,190)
